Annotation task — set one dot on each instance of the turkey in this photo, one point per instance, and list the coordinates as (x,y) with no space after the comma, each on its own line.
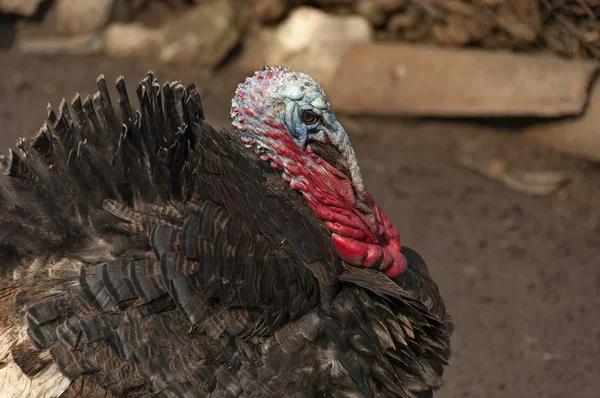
(144,253)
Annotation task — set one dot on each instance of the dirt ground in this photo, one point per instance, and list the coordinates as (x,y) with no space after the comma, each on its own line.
(520,274)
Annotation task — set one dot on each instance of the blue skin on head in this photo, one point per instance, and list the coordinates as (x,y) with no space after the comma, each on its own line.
(307,114)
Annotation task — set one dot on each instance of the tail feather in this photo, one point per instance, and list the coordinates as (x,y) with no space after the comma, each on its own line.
(88,152)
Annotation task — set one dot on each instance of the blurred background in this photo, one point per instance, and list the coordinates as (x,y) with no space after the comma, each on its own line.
(476,123)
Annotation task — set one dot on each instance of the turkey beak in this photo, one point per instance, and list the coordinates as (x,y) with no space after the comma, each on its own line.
(339,139)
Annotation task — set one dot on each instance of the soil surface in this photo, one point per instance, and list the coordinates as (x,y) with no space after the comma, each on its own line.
(520,274)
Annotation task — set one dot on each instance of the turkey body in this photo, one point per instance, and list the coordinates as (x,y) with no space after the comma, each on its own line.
(147,254)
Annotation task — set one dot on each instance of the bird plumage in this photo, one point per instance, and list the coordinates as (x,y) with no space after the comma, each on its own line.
(146,253)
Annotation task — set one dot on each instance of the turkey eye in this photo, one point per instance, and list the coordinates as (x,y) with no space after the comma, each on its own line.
(308,117)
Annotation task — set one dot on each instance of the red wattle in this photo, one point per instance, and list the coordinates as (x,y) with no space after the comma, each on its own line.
(350,250)
(339,215)
(375,255)
(357,253)
(387,260)
(397,267)
(364,238)
(344,230)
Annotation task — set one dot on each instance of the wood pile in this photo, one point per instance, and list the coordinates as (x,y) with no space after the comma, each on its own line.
(570,28)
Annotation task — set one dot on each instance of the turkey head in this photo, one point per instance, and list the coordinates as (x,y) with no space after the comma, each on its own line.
(286,117)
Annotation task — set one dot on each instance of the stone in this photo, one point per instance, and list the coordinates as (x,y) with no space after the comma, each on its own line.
(395,79)
(576,136)
(78,17)
(26,8)
(203,36)
(134,39)
(313,41)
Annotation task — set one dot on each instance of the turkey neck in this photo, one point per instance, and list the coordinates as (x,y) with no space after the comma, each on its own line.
(361,232)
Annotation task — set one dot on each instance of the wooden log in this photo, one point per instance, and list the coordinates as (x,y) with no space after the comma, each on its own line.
(388,79)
